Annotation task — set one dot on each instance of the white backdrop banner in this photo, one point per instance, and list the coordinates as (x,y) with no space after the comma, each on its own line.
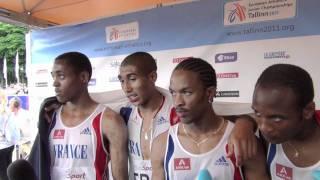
(239,38)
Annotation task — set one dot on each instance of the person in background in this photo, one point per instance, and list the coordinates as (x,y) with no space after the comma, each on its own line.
(9,136)
(25,124)
(284,106)
(197,146)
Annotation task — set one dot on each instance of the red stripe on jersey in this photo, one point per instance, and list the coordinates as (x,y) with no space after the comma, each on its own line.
(318,116)
(100,162)
(237,170)
(174,119)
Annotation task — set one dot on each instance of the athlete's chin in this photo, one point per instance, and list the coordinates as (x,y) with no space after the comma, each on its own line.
(272,139)
(61,99)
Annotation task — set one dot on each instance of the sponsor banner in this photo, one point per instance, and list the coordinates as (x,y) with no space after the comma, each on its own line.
(250,11)
(227,94)
(283,172)
(226,57)
(58,134)
(180,59)
(276,55)
(182,164)
(228,75)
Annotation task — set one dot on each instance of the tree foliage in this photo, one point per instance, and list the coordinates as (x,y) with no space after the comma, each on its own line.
(12,39)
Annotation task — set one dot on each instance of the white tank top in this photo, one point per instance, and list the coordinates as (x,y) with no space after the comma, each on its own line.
(212,165)
(281,168)
(78,152)
(138,167)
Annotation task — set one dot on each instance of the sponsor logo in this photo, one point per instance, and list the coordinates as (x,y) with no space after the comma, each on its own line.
(92,82)
(42,71)
(227,94)
(283,172)
(237,12)
(228,75)
(115,64)
(113,79)
(86,131)
(276,55)
(240,12)
(41,84)
(122,32)
(161,120)
(180,59)
(221,161)
(226,57)
(76,176)
(182,164)
(58,134)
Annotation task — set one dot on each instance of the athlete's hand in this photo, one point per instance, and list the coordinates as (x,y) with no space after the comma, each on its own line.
(242,142)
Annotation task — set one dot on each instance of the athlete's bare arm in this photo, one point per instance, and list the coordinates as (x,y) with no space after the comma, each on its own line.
(116,132)
(158,151)
(242,141)
(256,167)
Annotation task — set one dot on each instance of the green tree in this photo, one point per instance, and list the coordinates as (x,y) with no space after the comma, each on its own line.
(12,39)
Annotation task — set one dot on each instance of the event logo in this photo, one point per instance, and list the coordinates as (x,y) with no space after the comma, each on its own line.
(182,164)
(247,11)
(228,75)
(226,57)
(276,55)
(283,172)
(122,32)
(114,34)
(180,59)
(227,94)
(58,134)
(238,12)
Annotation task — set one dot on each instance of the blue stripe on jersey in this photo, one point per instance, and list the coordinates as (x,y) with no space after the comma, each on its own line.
(125,113)
(271,155)
(169,154)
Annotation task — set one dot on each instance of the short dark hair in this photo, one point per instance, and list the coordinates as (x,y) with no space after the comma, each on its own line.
(142,60)
(290,76)
(78,61)
(206,72)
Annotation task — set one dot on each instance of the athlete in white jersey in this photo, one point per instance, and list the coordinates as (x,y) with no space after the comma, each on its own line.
(75,149)
(199,140)
(214,164)
(84,135)
(286,117)
(282,168)
(147,116)
(140,167)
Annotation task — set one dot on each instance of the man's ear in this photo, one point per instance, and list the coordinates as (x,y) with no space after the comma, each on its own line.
(84,77)
(153,76)
(211,93)
(309,110)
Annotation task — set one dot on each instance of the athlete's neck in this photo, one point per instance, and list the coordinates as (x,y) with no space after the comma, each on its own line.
(153,105)
(208,122)
(84,101)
